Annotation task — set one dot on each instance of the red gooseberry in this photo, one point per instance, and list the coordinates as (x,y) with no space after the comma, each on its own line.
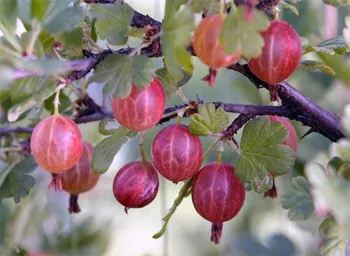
(291,141)
(56,144)
(280,55)
(217,195)
(176,153)
(142,109)
(136,184)
(80,178)
(207,48)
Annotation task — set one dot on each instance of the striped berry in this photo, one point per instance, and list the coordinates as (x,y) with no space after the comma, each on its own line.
(217,195)
(136,185)
(142,109)
(291,141)
(176,153)
(280,55)
(206,43)
(56,144)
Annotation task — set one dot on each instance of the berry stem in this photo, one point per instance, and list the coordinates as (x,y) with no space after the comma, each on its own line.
(210,148)
(185,188)
(56,101)
(73,204)
(219,156)
(142,152)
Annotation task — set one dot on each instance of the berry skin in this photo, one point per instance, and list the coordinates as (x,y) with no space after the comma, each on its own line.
(136,185)
(217,195)
(291,141)
(56,144)
(81,178)
(206,43)
(176,153)
(280,55)
(142,109)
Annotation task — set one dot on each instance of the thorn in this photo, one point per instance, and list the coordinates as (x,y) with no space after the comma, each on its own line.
(126,210)
(306,134)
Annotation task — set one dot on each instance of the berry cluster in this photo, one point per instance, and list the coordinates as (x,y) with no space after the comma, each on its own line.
(217,194)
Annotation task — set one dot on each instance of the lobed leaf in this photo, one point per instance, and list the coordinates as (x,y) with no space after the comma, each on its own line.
(208,120)
(169,83)
(18,182)
(261,152)
(120,72)
(106,149)
(298,201)
(112,22)
(241,35)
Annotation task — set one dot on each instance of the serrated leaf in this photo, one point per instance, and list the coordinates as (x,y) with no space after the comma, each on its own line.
(335,239)
(333,191)
(337,3)
(120,72)
(208,120)
(71,16)
(200,5)
(329,46)
(290,7)
(38,8)
(46,88)
(169,83)
(241,35)
(261,152)
(112,22)
(176,36)
(316,65)
(106,150)
(298,200)
(18,182)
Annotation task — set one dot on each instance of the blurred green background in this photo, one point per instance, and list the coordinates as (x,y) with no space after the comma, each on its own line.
(41,223)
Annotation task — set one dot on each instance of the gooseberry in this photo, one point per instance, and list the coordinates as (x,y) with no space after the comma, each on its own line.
(56,144)
(136,184)
(142,109)
(176,153)
(80,178)
(207,48)
(291,141)
(217,195)
(280,55)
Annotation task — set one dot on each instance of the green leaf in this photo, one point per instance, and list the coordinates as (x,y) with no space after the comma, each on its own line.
(317,65)
(24,88)
(208,120)
(339,64)
(176,36)
(329,46)
(64,21)
(112,22)
(241,35)
(136,32)
(50,67)
(46,88)
(298,200)
(290,7)
(200,5)
(260,185)
(18,182)
(332,191)
(120,72)
(106,149)
(334,238)
(171,84)
(337,3)
(8,15)
(72,43)
(261,152)
(103,129)
(38,8)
